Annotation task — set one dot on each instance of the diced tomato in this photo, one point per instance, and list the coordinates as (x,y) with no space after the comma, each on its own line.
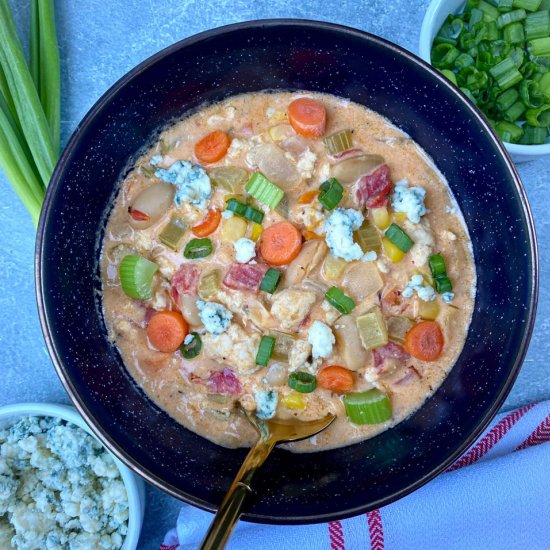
(185,281)
(373,189)
(245,276)
(138,215)
(391,352)
(224,381)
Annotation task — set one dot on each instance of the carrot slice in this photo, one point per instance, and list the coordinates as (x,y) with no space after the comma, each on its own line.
(425,341)
(281,243)
(167,330)
(212,148)
(308,117)
(209,224)
(336,379)
(307,197)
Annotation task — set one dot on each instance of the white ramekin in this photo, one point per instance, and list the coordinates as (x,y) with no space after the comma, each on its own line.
(135,488)
(436,14)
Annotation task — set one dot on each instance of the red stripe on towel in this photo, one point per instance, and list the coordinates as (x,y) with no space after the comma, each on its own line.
(336,535)
(376,531)
(540,435)
(498,431)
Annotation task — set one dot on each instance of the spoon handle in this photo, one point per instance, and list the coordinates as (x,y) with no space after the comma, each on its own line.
(230,509)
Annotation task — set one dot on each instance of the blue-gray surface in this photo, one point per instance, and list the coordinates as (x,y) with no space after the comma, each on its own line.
(101,40)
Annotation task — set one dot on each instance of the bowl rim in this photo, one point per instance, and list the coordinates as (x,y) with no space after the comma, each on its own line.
(134,485)
(424,51)
(41,291)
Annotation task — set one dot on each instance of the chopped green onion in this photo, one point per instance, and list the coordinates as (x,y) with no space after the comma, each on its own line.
(529,5)
(198,248)
(506,74)
(544,85)
(443,284)
(539,118)
(469,95)
(514,112)
(537,25)
(509,132)
(444,56)
(263,190)
(437,265)
(514,33)
(339,142)
(331,193)
(399,238)
(477,81)
(173,233)
(490,13)
(540,47)
(492,31)
(270,281)
(533,135)
(302,382)
(530,94)
(245,211)
(463,60)
(511,17)
(368,407)
(506,99)
(504,5)
(449,75)
(476,17)
(136,276)
(338,300)
(193,346)
(265,349)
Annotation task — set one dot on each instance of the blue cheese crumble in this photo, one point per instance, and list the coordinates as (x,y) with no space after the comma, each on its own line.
(266,404)
(191,181)
(59,488)
(424,292)
(409,200)
(215,317)
(339,227)
(245,250)
(448,297)
(321,339)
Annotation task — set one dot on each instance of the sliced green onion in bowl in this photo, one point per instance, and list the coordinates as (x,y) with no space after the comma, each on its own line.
(399,238)
(437,265)
(331,193)
(508,131)
(368,407)
(245,211)
(270,281)
(136,276)
(302,382)
(265,350)
(193,347)
(263,190)
(443,284)
(339,301)
(533,135)
(198,248)
(540,118)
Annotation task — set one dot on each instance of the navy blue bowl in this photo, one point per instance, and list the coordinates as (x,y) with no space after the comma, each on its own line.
(286,55)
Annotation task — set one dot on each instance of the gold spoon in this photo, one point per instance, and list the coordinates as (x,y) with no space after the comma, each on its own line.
(271,432)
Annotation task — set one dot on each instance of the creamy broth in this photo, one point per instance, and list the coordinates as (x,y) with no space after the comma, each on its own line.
(200,393)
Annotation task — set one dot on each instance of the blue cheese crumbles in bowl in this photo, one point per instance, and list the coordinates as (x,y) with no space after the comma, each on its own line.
(59,487)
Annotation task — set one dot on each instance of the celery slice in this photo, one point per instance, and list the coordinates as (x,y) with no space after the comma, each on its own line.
(263,190)
(230,178)
(398,328)
(136,276)
(368,238)
(173,233)
(368,407)
(209,285)
(339,142)
(372,329)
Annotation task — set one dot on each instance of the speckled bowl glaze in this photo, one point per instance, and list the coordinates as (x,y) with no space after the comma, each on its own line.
(286,54)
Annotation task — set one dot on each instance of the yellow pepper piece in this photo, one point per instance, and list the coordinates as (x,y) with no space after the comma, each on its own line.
(380,217)
(294,400)
(232,229)
(392,252)
(237,197)
(399,217)
(256,232)
(428,310)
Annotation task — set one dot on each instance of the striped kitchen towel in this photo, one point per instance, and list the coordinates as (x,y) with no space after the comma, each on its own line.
(496,496)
